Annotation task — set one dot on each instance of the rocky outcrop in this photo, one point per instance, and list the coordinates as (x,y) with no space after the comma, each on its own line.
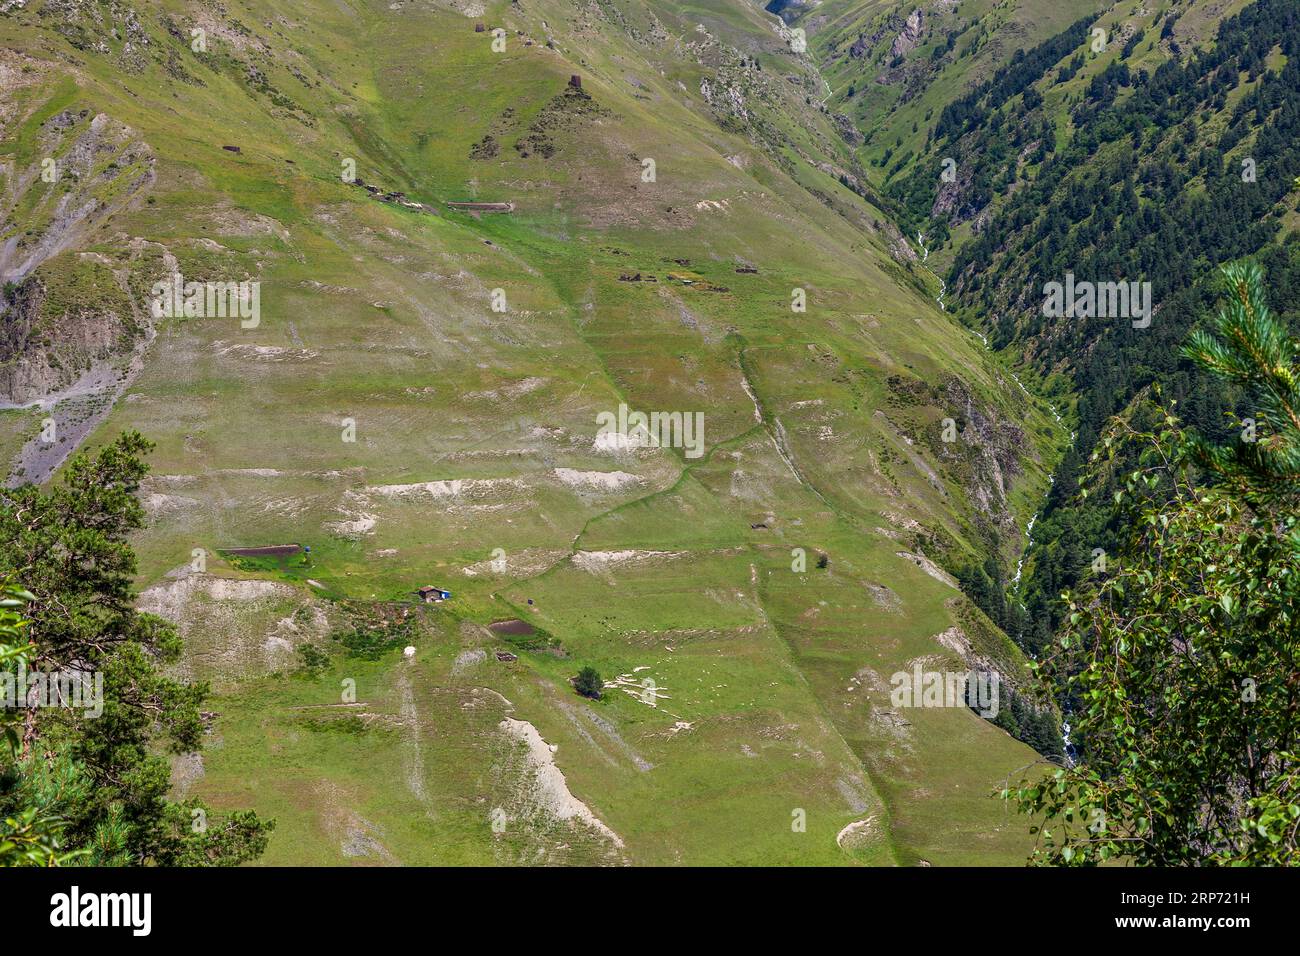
(47,342)
(910,35)
(952,203)
(993,446)
(865,43)
(63,313)
(848,131)
(899,248)
(92,166)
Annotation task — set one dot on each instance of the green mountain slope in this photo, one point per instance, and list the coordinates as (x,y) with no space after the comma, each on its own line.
(1152,156)
(383,413)
(893,67)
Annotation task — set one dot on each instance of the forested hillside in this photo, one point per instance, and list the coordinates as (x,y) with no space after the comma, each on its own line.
(1134,145)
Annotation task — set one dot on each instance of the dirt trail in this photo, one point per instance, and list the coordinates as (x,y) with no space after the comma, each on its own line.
(413,753)
(753,397)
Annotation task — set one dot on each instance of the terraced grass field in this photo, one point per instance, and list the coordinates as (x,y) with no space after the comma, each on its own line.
(384,414)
